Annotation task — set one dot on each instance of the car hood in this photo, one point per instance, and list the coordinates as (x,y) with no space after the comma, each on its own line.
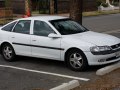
(95,38)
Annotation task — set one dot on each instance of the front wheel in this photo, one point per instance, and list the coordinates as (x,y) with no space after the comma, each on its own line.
(76,60)
(8,52)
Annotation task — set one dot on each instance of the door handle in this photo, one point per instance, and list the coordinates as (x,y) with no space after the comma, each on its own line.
(13,37)
(33,40)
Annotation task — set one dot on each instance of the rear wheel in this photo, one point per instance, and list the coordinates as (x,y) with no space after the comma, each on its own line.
(76,60)
(8,52)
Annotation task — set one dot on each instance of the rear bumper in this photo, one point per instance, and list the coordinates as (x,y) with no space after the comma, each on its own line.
(0,50)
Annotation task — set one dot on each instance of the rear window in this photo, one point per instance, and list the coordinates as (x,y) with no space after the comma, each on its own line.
(9,27)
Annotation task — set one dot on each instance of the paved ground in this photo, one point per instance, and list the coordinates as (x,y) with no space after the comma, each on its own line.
(13,79)
(102,23)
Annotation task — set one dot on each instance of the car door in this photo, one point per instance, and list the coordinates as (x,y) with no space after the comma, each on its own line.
(42,45)
(20,38)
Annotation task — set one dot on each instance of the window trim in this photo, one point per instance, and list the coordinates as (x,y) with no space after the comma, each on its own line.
(44,22)
(18,22)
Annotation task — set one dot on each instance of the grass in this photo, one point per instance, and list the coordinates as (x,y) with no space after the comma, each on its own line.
(91,13)
(35,12)
(41,12)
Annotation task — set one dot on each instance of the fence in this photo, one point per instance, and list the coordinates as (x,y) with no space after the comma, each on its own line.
(63,5)
(41,6)
(18,6)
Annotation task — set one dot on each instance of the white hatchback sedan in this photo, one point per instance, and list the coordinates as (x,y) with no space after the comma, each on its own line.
(58,38)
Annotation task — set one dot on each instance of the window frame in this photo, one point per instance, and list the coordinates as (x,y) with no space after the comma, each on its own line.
(44,22)
(18,22)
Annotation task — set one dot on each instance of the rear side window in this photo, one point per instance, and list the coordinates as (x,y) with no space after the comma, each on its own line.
(9,27)
(23,27)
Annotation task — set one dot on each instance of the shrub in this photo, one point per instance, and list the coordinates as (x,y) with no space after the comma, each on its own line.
(99,2)
(105,4)
(115,3)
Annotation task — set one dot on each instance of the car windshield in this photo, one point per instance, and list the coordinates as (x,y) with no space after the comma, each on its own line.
(67,26)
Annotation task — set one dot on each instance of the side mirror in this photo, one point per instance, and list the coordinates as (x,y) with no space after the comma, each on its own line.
(52,35)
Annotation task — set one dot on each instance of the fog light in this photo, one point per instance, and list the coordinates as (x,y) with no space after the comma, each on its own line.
(102,60)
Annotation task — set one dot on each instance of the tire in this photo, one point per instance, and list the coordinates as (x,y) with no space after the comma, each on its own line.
(8,52)
(76,60)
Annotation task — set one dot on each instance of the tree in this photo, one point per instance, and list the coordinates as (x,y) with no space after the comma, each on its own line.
(28,7)
(76,8)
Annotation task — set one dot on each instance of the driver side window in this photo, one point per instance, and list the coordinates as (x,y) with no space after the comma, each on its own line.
(42,29)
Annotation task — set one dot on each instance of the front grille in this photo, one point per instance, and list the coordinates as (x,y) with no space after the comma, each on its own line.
(115,46)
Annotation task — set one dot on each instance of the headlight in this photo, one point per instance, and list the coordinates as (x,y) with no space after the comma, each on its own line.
(100,48)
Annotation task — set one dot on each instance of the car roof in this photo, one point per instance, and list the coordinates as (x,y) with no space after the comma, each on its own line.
(44,18)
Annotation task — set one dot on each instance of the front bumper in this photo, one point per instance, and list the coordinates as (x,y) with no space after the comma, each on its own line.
(102,59)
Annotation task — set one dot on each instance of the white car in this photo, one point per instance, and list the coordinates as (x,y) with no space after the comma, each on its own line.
(58,38)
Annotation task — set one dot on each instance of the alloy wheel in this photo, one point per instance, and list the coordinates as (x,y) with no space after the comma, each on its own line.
(7,52)
(76,60)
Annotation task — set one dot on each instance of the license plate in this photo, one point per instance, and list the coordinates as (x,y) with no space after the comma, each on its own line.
(117,54)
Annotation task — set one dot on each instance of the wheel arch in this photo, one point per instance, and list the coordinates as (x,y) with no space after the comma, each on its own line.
(73,48)
(3,44)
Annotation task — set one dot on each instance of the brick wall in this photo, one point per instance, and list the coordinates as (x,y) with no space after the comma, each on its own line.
(5,13)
